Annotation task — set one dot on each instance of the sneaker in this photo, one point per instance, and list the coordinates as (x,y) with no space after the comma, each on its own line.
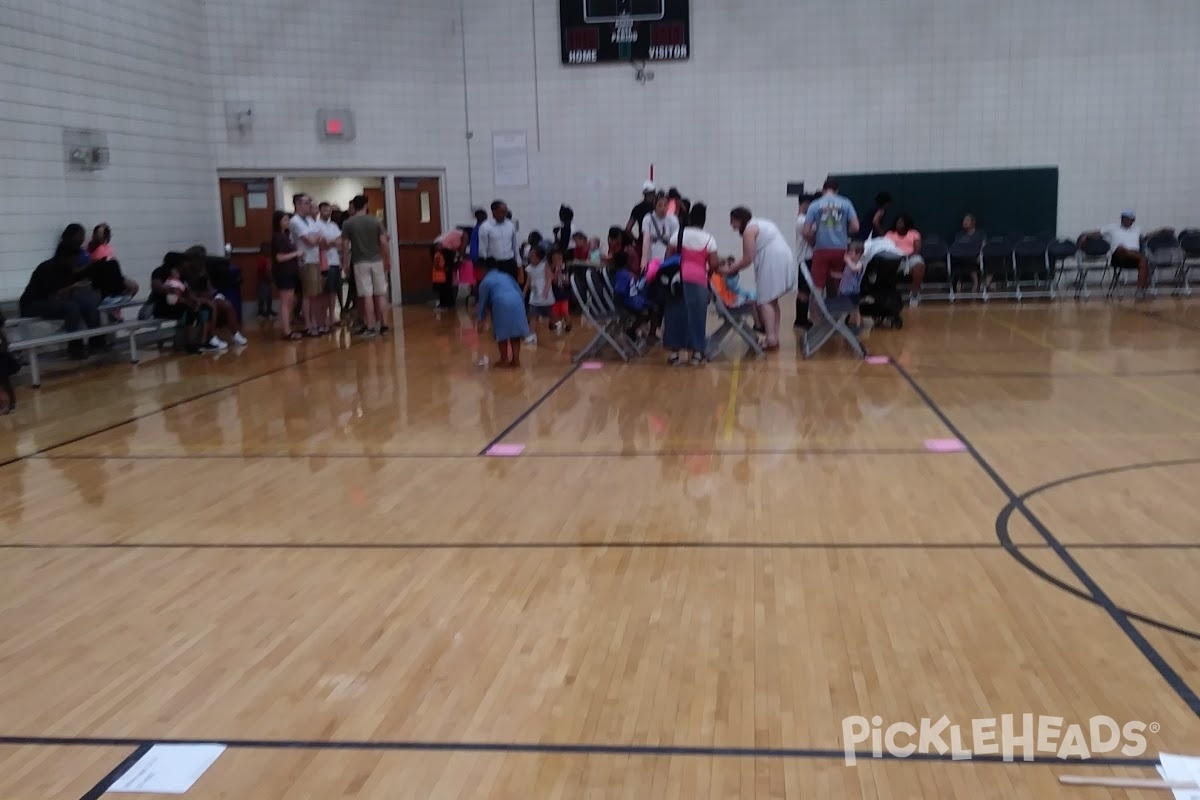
(383,329)
(217,344)
(697,360)
(914,301)
(531,339)
(240,340)
(368,333)
(1140,294)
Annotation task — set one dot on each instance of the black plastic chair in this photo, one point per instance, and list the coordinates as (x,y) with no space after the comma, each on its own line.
(1189,247)
(1094,253)
(1030,262)
(996,259)
(1058,254)
(1162,252)
(964,262)
(936,255)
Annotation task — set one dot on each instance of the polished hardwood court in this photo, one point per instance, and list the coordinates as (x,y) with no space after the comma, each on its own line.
(681,587)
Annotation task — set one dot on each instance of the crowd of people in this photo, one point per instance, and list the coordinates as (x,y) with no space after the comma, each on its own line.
(663,263)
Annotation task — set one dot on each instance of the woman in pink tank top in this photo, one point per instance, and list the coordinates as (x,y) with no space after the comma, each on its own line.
(685,319)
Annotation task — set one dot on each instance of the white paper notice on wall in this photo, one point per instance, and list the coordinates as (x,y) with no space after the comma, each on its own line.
(168,769)
(510,158)
(257,200)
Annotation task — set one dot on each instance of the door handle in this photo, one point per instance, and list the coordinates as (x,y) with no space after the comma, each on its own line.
(417,244)
(245,251)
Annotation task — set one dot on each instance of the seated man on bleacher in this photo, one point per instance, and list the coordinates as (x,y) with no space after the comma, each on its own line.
(56,292)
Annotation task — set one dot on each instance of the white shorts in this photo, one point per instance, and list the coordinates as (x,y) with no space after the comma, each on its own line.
(369,277)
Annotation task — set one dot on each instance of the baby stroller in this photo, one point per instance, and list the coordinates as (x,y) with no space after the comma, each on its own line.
(880,294)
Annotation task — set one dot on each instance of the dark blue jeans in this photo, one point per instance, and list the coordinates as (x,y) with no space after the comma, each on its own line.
(77,308)
(685,319)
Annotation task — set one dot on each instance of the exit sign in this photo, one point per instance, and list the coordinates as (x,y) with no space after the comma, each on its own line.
(335,124)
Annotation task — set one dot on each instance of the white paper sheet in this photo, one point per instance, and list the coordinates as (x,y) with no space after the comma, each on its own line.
(168,768)
(510,158)
(1181,768)
(258,199)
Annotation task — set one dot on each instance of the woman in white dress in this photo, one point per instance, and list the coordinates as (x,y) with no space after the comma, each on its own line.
(774,266)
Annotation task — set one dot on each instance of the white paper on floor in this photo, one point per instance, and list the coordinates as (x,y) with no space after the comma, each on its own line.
(168,768)
(1181,768)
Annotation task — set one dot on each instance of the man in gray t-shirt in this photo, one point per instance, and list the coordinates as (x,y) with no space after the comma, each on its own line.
(366,244)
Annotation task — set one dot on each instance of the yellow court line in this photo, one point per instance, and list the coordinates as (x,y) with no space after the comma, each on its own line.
(731,406)
(1091,367)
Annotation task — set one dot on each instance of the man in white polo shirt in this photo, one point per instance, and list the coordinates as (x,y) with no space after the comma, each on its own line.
(1125,240)
(306,234)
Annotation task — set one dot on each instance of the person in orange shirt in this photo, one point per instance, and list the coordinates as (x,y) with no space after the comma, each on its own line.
(907,240)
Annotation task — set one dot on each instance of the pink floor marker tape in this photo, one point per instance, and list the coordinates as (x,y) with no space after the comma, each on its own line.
(506,450)
(876,360)
(945,446)
(592,365)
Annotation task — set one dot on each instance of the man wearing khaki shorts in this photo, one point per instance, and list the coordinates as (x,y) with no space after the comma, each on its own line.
(366,244)
(306,234)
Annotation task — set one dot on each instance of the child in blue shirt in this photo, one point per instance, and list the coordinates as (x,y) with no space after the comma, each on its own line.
(500,296)
(851,283)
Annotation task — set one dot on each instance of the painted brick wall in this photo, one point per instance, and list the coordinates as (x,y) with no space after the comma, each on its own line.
(133,69)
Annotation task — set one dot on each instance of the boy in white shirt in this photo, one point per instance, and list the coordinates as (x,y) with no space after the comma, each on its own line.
(660,232)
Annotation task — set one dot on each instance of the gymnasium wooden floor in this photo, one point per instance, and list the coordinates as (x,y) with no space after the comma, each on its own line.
(680,589)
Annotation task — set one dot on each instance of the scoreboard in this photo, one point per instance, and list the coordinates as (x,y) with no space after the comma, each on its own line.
(608,31)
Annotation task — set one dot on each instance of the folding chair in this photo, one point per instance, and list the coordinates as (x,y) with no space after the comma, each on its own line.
(732,320)
(1189,247)
(617,319)
(1094,253)
(1031,265)
(937,265)
(832,315)
(1162,252)
(996,262)
(594,316)
(964,264)
(1059,254)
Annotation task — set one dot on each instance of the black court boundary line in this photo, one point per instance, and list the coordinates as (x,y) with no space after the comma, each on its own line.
(172,404)
(1122,620)
(512,426)
(551,748)
(97,791)
(798,451)
(1005,538)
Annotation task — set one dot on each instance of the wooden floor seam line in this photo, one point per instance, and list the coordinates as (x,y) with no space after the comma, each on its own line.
(1168,673)
(799,451)
(616,545)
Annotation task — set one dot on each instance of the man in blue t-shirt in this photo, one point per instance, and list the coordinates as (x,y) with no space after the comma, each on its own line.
(830,223)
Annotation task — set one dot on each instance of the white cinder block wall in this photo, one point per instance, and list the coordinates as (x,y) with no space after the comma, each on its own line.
(134,70)
(776,90)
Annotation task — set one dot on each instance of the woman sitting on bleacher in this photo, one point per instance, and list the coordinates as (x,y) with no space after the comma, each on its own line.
(56,291)
(105,271)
